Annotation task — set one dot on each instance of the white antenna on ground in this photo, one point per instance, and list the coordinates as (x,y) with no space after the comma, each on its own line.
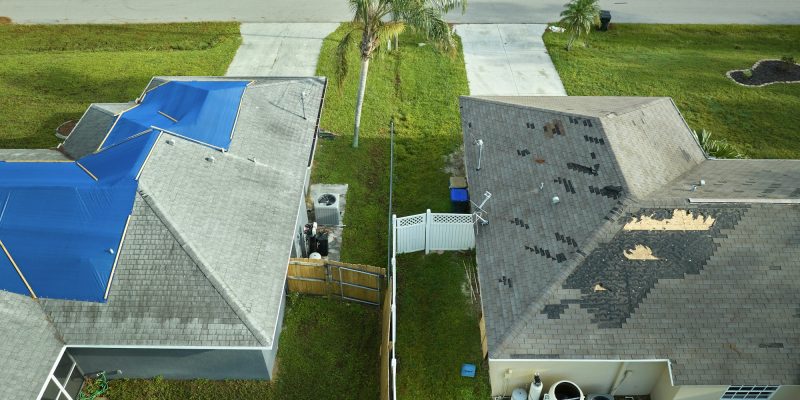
(479,143)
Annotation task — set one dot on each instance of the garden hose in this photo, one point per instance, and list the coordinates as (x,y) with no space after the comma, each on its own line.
(101,385)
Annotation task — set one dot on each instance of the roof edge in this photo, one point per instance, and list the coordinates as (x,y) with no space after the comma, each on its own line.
(212,277)
(502,101)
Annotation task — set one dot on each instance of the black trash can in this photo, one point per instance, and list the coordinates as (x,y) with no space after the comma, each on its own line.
(605,19)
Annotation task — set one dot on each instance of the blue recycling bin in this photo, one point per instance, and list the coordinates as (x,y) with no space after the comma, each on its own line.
(459,199)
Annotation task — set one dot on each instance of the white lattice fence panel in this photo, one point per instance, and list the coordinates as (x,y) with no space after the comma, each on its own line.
(450,232)
(410,233)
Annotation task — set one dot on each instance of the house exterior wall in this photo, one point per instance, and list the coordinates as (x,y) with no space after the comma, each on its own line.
(270,355)
(299,243)
(592,376)
(665,391)
(787,392)
(173,363)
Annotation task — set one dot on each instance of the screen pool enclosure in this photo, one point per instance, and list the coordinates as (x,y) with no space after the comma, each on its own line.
(62,223)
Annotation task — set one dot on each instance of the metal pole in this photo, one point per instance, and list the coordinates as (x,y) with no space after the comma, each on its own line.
(391,188)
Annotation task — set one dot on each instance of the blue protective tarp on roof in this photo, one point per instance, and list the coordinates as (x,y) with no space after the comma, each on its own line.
(202,111)
(63,225)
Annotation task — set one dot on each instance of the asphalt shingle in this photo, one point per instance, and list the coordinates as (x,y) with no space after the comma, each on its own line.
(718,297)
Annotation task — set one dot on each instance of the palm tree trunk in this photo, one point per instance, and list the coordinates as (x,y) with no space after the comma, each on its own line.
(569,43)
(362,86)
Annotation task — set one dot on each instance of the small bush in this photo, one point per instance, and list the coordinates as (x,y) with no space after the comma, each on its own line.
(748,73)
(717,148)
(788,59)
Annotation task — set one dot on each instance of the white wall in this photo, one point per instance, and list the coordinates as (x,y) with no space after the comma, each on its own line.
(665,391)
(592,376)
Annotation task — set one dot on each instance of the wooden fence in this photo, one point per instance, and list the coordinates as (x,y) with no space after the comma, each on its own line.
(387,344)
(361,283)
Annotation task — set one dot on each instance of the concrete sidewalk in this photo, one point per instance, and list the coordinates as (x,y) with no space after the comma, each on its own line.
(508,60)
(279,49)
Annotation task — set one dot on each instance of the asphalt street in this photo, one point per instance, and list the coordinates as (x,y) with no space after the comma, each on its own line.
(480,11)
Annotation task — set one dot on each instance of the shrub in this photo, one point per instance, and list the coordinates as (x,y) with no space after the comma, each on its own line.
(717,148)
(788,59)
(748,73)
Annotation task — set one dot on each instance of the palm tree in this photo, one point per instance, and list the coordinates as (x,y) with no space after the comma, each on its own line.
(445,6)
(371,20)
(578,18)
(717,148)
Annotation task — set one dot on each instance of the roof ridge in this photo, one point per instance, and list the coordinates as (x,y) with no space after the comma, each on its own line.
(605,229)
(634,108)
(506,100)
(212,277)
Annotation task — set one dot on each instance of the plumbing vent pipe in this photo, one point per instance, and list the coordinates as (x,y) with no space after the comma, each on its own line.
(479,143)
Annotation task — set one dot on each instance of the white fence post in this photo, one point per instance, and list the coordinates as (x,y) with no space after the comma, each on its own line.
(428,220)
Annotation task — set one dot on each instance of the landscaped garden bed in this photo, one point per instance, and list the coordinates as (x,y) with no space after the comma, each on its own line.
(767,72)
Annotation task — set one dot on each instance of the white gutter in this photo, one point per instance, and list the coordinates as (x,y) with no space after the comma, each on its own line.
(161,347)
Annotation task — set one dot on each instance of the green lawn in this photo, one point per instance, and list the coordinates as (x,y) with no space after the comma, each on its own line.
(50,73)
(437,328)
(328,348)
(688,63)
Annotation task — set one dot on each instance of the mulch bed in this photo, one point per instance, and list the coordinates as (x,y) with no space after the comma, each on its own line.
(766,72)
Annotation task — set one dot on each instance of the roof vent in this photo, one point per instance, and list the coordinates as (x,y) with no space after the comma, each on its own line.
(479,143)
(556,200)
(210,159)
(170,142)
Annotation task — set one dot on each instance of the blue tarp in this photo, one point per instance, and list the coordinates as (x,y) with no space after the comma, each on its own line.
(204,111)
(62,227)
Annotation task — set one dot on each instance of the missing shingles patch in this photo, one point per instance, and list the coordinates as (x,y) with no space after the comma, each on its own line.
(555,127)
(640,252)
(681,220)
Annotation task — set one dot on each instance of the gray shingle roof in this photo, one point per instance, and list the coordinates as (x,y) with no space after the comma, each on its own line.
(89,133)
(236,214)
(160,296)
(721,301)
(32,155)
(205,255)
(29,345)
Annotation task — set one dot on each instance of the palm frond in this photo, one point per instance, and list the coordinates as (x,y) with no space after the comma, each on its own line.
(717,148)
(344,47)
(446,6)
(428,21)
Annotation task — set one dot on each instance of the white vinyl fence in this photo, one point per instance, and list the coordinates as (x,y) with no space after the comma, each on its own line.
(434,231)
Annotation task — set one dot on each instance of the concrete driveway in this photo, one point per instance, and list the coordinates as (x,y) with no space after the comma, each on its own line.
(279,49)
(508,60)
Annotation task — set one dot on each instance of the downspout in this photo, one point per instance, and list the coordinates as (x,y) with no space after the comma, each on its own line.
(622,374)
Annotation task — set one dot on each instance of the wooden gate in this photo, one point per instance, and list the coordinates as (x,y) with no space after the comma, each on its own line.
(355,282)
